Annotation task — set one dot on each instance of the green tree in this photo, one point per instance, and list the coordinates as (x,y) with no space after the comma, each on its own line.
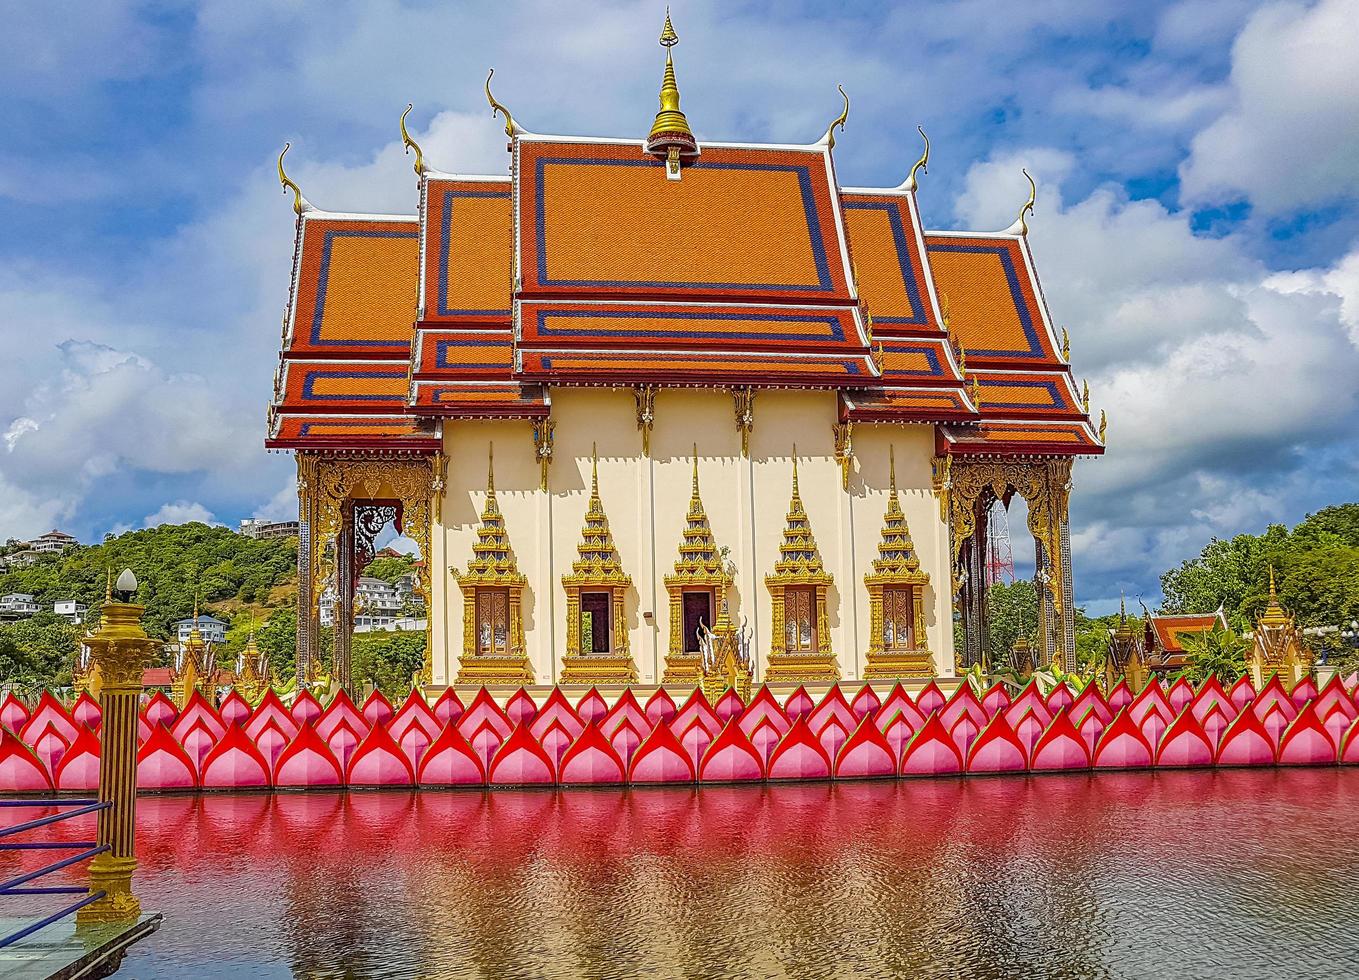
(390,569)
(1011,610)
(38,652)
(388,658)
(277,637)
(1221,652)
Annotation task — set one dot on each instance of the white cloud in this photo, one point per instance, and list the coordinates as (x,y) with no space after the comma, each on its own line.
(1291,138)
(1223,382)
(180,512)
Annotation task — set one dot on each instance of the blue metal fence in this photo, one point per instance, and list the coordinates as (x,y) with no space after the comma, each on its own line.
(19,885)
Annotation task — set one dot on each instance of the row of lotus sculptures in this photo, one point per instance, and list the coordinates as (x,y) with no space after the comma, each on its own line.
(871,734)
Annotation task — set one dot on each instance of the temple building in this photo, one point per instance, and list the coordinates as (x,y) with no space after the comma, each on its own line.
(1163,639)
(633,392)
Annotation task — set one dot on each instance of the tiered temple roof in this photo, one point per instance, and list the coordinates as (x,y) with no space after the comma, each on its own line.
(598,563)
(608,262)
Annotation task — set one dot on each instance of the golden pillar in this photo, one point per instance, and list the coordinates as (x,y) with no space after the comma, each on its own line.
(119,648)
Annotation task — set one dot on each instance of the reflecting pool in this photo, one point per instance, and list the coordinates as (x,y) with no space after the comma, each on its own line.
(1174,874)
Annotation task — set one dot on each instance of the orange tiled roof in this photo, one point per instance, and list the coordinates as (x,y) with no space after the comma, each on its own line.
(480,399)
(352,431)
(1020,438)
(600,219)
(467,249)
(688,367)
(1024,395)
(1169,629)
(902,404)
(888,250)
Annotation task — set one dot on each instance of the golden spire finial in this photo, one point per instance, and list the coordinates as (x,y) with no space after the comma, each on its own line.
(670,134)
(922,165)
(1273,592)
(497,108)
(839,120)
(1066,345)
(594,469)
(795,493)
(892,469)
(300,203)
(108,584)
(409,143)
(1103,424)
(695,459)
(490,469)
(976,392)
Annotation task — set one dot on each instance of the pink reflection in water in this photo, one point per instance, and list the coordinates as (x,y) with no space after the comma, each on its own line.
(1173,873)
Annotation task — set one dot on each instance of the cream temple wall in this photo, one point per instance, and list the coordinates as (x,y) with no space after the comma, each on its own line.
(646,500)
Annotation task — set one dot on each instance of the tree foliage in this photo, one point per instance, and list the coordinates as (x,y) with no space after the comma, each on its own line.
(389,568)
(1316,567)
(170,562)
(38,652)
(1220,652)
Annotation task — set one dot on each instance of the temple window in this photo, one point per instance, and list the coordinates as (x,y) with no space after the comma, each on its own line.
(799,618)
(697,590)
(594,622)
(493,622)
(698,611)
(898,619)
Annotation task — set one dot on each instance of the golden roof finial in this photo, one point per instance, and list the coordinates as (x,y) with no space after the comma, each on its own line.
(695,469)
(839,120)
(1085,397)
(1273,592)
(497,108)
(594,469)
(976,392)
(409,143)
(795,493)
(300,203)
(1103,424)
(1066,345)
(892,469)
(922,165)
(670,134)
(490,469)
(108,584)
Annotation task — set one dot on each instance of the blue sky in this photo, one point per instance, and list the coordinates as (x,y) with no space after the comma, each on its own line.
(1197,227)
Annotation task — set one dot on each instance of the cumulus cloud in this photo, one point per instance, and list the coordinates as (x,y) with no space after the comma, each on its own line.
(1291,138)
(180,512)
(1224,382)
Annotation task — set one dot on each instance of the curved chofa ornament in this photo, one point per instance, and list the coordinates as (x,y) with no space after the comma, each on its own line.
(922,165)
(1021,227)
(840,120)
(410,144)
(511,127)
(300,203)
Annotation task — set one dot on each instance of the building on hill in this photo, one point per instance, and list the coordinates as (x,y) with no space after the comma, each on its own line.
(670,306)
(1163,637)
(212,630)
(52,543)
(268,530)
(17,605)
(70,609)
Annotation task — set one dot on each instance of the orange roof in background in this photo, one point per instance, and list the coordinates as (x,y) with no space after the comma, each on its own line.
(1019,438)
(601,219)
(1020,395)
(1169,629)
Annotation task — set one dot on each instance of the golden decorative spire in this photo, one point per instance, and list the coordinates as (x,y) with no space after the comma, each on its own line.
(840,120)
(493,562)
(1274,614)
(598,562)
(1066,345)
(1103,424)
(698,556)
(1085,397)
(409,143)
(799,555)
(498,109)
(670,135)
(922,165)
(896,550)
(300,203)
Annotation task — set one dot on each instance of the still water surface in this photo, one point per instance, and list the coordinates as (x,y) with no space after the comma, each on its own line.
(1190,874)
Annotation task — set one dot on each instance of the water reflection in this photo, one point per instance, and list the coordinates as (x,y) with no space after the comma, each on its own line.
(1141,874)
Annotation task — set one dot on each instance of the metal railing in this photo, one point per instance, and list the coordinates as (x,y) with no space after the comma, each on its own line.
(19,885)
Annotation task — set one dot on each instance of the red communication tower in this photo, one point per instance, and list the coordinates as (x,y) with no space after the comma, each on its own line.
(1000,559)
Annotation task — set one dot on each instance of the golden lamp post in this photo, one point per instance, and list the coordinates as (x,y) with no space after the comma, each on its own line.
(119,649)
